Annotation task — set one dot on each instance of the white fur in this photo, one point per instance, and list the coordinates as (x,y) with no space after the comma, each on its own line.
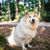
(22,34)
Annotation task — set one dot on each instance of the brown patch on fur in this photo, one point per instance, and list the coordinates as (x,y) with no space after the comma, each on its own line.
(34,26)
(13,46)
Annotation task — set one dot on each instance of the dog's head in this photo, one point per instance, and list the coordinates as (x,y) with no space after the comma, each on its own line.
(32,18)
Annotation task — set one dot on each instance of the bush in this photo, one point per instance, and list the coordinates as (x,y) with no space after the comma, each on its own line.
(3,18)
(46,16)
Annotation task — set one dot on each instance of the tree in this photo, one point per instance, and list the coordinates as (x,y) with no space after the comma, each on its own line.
(12,9)
(17,2)
(8,9)
(0,9)
(4,6)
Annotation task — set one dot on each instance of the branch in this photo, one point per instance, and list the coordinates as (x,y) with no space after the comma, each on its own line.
(9,23)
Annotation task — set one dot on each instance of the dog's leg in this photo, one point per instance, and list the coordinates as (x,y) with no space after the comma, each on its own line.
(23,47)
(29,46)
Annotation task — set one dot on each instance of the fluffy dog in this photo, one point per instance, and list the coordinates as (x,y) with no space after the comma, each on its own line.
(23,33)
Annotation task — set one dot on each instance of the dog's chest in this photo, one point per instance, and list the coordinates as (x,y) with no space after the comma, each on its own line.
(28,32)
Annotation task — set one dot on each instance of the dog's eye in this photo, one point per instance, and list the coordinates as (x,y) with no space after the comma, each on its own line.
(34,16)
(29,16)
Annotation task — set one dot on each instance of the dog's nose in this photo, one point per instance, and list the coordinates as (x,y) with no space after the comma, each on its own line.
(33,20)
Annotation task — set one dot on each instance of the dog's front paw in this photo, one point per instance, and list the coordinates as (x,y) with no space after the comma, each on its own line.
(24,48)
(29,46)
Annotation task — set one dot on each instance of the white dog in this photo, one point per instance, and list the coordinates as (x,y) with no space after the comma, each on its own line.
(23,33)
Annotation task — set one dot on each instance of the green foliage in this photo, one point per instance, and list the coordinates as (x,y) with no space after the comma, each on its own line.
(21,8)
(2,41)
(3,18)
(12,10)
(21,14)
(46,16)
(4,6)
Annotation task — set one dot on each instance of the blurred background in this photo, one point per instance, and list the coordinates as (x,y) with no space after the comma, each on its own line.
(14,9)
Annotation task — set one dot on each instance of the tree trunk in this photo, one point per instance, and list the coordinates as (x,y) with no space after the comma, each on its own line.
(8,10)
(0,9)
(17,2)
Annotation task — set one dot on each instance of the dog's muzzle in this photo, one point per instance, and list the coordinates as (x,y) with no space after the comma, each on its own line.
(33,21)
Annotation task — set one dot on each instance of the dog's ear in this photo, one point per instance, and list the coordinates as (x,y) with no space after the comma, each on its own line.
(26,13)
(36,14)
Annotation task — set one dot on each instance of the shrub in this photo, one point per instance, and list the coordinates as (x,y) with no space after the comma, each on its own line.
(4,18)
(46,16)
